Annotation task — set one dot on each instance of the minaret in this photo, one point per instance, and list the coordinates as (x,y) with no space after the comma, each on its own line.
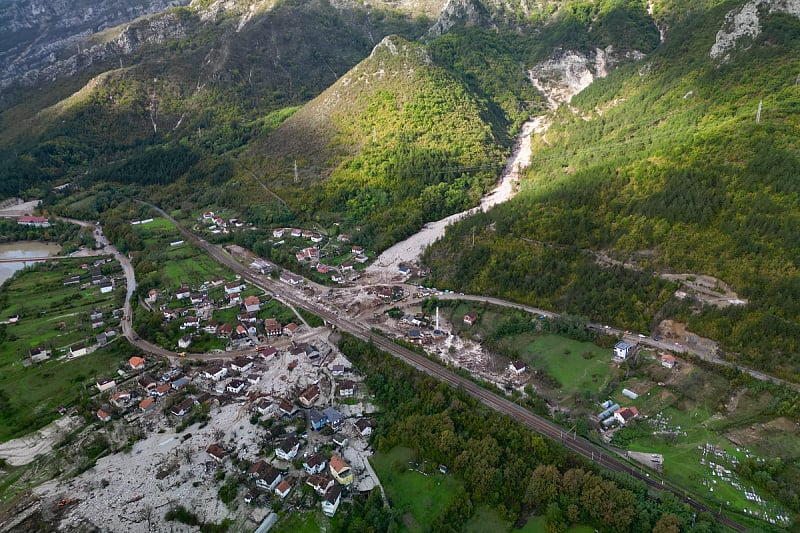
(437,318)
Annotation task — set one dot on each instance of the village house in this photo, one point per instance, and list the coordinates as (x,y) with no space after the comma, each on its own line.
(98,323)
(317,419)
(252,304)
(310,395)
(190,322)
(363,426)
(287,408)
(253,379)
(291,279)
(235,287)
(137,363)
(289,329)
(39,354)
(621,351)
(161,390)
(180,383)
(267,476)
(625,414)
(147,382)
(185,341)
(215,372)
(314,463)
(242,364)
(316,238)
(184,407)
(339,439)
(296,232)
(211,327)
(265,352)
(36,222)
(340,470)
(103,416)
(278,233)
(283,489)
(347,389)
(264,407)
(106,286)
(224,331)
(320,483)
(152,296)
(287,450)
(518,367)
(470,318)
(216,452)
(183,292)
(668,361)
(120,399)
(272,327)
(414,336)
(330,502)
(77,350)
(307,254)
(236,386)
(104,384)
(147,404)
(334,417)
(337,370)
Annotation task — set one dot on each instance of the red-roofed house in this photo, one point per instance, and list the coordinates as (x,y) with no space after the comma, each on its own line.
(137,363)
(252,304)
(625,414)
(283,488)
(668,361)
(470,318)
(103,416)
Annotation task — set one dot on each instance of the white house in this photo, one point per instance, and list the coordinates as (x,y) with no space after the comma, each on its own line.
(518,367)
(331,500)
(625,414)
(288,449)
(621,351)
(668,361)
(104,384)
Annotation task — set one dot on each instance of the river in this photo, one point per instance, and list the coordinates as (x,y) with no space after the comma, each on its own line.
(410,249)
(23,249)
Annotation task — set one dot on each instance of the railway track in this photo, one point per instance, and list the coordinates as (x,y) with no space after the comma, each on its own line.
(498,403)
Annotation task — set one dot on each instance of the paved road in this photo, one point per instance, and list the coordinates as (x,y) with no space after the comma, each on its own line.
(632,339)
(540,425)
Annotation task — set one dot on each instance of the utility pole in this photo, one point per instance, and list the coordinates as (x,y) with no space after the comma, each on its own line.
(296,174)
(758,113)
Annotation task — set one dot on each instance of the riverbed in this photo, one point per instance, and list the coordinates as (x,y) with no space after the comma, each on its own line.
(410,249)
(22,250)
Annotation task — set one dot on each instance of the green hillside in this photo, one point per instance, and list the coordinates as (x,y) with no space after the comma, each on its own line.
(663,165)
(396,142)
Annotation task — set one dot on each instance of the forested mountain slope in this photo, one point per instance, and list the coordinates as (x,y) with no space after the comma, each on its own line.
(668,165)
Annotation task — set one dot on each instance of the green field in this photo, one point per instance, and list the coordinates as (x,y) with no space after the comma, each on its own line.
(421,497)
(485,519)
(578,366)
(179,264)
(297,522)
(54,316)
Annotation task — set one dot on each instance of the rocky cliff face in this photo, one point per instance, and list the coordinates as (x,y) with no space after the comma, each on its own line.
(745,23)
(40,39)
(567,72)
